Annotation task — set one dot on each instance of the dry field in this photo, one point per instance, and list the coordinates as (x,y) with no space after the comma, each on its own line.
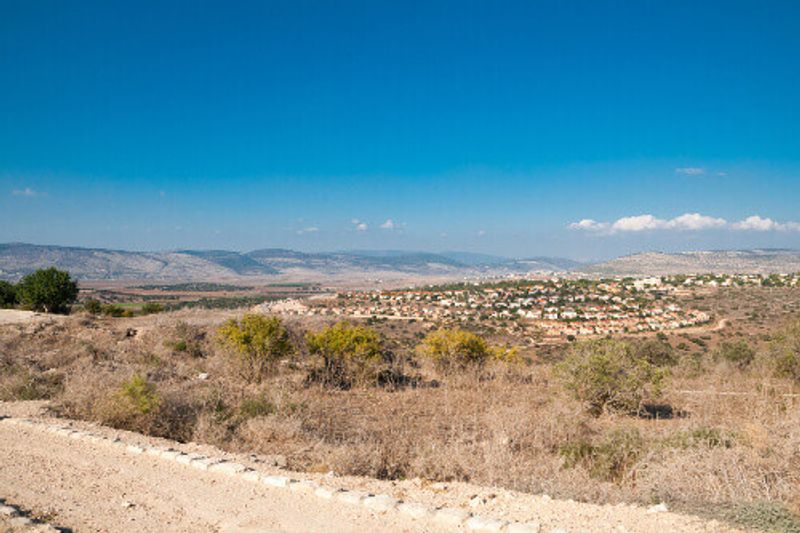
(726,442)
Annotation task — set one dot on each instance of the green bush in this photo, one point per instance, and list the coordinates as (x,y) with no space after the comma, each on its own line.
(49,290)
(739,353)
(140,395)
(113,310)
(457,349)
(8,295)
(151,308)
(608,375)
(610,459)
(350,355)
(256,343)
(784,352)
(93,307)
(253,407)
(657,352)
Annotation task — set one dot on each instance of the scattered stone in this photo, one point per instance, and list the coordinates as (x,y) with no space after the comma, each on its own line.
(476,501)
(127,505)
(20,521)
(203,463)
(352,497)
(132,448)
(152,450)
(275,481)
(450,516)
(187,458)
(226,467)
(8,510)
(480,523)
(660,508)
(524,527)
(325,492)
(202,376)
(380,503)
(414,510)
(170,454)
(303,485)
(251,475)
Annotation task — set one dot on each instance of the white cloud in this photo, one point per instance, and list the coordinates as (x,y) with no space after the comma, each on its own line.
(639,223)
(389,224)
(758,223)
(359,226)
(685,222)
(27,191)
(481,232)
(691,171)
(310,229)
(587,224)
(696,221)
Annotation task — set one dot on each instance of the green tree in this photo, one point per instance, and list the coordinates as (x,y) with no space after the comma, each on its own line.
(457,349)
(8,294)
(608,375)
(49,290)
(350,354)
(256,342)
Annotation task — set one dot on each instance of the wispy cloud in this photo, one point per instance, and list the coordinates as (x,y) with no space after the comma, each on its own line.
(310,229)
(389,224)
(359,225)
(690,171)
(685,222)
(27,191)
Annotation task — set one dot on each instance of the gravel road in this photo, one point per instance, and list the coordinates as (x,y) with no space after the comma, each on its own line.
(91,478)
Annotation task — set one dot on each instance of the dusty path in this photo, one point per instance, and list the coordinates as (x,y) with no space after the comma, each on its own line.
(90,478)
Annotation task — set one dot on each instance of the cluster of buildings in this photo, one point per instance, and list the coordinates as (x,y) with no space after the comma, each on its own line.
(552,307)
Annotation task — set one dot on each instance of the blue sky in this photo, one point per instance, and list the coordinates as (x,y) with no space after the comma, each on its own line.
(582,129)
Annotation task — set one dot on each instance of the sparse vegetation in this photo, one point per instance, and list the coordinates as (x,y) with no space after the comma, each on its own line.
(457,349)
(350,355)
(608,375)
(8,294)
(256,344)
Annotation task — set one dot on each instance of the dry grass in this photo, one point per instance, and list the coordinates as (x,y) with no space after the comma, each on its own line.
(514,427)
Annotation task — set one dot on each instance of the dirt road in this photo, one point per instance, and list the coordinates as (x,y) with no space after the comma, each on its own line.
(90,478)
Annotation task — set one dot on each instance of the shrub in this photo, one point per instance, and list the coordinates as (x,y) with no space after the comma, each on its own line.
(739,353)
(253,407)
(457,349)
(8,295)
(151,308)
(92,307)
(610,459)
(49,290)
(256,342)
(188,340)
(656,352)
(113,310)
(140,395)
(607,374)
(784,352)
(350,355)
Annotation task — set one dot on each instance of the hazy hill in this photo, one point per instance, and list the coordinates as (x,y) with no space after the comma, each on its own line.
(18,259)
(726,261)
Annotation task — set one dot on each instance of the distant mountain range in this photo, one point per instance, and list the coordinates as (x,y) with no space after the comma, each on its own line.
(720,261)
(18,259)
